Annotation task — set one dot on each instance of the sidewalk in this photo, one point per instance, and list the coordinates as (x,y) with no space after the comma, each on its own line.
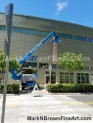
(47,104)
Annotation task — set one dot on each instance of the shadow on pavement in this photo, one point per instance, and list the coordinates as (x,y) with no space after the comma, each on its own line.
(27,91)
(86,98)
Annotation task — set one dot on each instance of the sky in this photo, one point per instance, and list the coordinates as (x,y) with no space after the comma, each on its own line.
(73,11)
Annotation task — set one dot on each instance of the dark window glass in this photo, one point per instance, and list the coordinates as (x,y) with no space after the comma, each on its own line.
(28,64)
(47,72)
(66,77)
(53,73)
(82,78)
(62,73)
(53,78)
(43,65)
(54,66)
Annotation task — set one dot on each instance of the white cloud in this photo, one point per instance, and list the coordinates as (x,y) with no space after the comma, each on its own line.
(60,5)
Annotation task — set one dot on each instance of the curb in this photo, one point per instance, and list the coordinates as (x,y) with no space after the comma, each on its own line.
(70,93)
(8,94)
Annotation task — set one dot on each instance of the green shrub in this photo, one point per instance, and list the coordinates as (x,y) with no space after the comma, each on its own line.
(54,87)
(13,88)
(66,88)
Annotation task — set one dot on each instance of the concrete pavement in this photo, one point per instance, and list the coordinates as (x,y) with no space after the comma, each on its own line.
(29,107)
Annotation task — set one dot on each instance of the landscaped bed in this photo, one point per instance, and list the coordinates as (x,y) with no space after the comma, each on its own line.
(69,88)
(11,88)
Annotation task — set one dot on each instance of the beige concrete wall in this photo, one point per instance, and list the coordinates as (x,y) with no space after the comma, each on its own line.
(22,43)
(78,47)
(49,25)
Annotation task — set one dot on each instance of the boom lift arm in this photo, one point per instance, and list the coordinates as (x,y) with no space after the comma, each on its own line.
(36,47)
(17,76)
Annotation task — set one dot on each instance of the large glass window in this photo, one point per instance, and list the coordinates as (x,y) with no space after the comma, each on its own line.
(83,78)
(53,77)
(66,77)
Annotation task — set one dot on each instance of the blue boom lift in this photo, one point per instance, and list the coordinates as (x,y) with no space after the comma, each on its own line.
(29,80)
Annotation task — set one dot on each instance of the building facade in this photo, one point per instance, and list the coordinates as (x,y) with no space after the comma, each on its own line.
(28,31)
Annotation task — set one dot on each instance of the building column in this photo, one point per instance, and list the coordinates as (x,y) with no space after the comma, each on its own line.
(57,75)
(90,78)
(75,77)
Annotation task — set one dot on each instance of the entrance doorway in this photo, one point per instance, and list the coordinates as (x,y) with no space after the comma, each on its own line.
(53,77)
(47,79)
